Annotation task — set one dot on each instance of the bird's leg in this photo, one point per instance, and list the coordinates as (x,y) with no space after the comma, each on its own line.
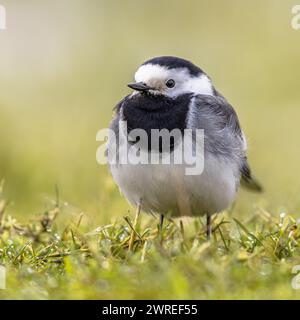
(161,223)
(136,219)
(208,226)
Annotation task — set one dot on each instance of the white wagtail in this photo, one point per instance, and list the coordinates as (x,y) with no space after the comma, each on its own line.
(173,93)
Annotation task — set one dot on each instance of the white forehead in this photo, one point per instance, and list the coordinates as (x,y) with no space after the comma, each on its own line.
(184,81)
(149,71)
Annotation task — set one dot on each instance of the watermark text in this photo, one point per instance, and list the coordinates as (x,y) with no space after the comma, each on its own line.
(2,17)
(296,279)
(296,17)
(2,278)
(163,147)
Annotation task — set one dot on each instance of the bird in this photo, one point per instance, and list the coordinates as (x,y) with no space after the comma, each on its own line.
(173,93)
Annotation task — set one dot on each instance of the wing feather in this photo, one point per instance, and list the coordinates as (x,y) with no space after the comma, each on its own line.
(224,134)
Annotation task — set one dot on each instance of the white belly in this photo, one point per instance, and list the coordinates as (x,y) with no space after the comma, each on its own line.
(166,189)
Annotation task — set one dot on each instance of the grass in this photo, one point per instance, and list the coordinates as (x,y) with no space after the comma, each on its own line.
(51,259)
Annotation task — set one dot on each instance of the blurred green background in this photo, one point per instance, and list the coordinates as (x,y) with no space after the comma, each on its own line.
(65,64)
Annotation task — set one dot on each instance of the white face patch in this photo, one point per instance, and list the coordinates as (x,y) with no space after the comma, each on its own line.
(156,77)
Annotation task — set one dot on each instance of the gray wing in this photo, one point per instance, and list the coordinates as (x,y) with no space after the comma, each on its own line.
(223,133)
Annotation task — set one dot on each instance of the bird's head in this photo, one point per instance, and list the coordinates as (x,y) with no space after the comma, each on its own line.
(171,77)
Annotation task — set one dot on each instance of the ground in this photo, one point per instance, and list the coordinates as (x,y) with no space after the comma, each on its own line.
(50,258)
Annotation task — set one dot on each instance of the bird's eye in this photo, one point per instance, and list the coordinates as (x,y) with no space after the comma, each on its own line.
(170,83)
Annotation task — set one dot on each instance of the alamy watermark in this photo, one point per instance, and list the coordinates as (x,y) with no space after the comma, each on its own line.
(296,279)
(165,147)
(295,23)
(2,277)
(2,17)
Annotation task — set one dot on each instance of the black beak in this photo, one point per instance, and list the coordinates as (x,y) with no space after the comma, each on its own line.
(139,86)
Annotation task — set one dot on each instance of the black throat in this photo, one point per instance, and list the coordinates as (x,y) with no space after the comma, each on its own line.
(147,111)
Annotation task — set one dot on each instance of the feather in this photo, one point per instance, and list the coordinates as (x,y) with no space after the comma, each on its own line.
(247,180)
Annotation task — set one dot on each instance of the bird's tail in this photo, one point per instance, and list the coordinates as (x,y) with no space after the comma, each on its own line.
(247,180)
(251,184)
